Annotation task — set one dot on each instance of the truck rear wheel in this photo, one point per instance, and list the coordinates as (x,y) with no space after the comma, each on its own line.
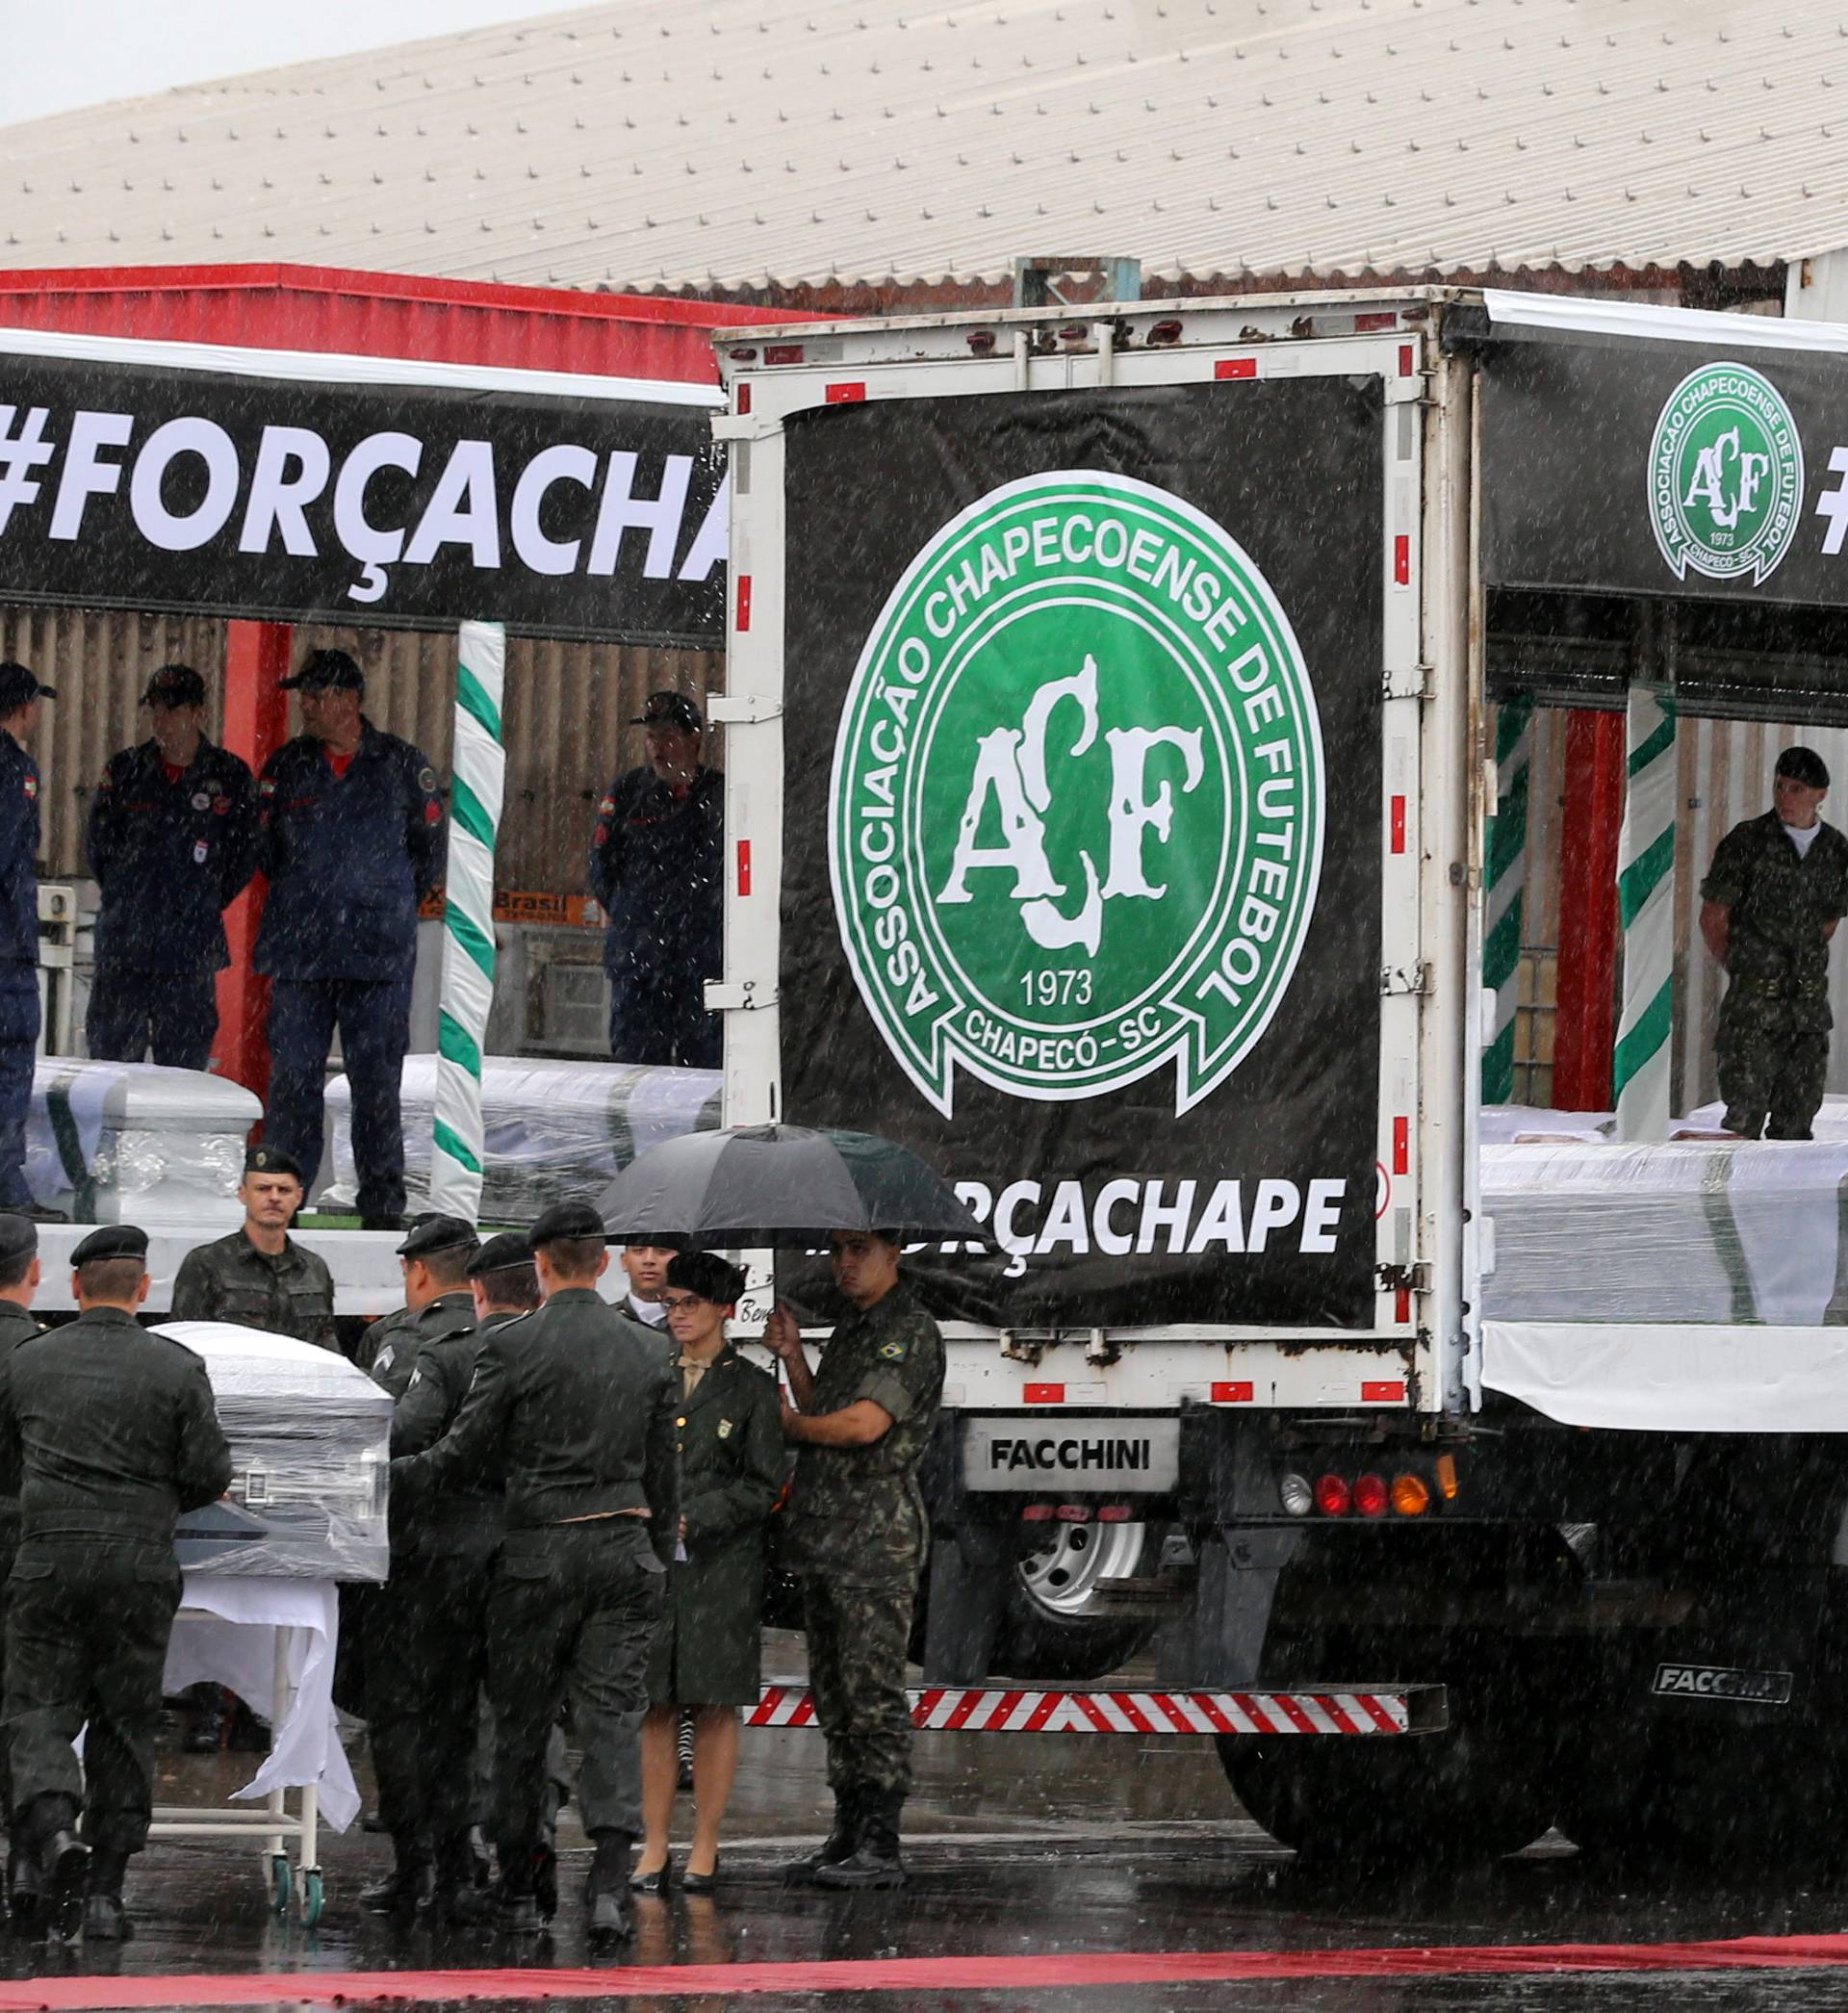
(1056,1629)
(1480,1789)
(1475,1792)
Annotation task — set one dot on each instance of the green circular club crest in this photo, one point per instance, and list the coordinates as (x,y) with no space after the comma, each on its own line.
(1725,475)
(1075,823)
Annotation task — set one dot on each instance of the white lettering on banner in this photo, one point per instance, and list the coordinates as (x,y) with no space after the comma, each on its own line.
(469,509)
(1123,1217)
(292,467)
(155,522)
(83,475)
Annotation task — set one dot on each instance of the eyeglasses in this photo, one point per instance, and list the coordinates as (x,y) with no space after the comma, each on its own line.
(673,1302)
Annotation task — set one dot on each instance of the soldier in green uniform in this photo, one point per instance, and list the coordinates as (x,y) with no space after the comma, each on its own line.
(19,1277)
(733,1464)
(260,1276)
(857,1537)
(404,1618)
(458,1531)
(573,1412)
(1770,905)
(106,1432)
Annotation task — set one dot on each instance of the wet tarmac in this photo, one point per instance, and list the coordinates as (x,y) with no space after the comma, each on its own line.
(1104,1874)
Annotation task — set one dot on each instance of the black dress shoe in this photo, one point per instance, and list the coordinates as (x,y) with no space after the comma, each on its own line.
(405,1889)
(655,1883)
(692,1883)
(24,1895)
(611,1920)
(65,1861)
(105,1919)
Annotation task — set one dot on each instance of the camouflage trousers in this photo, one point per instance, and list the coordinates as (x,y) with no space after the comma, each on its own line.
(1770,1071)
(857,1637)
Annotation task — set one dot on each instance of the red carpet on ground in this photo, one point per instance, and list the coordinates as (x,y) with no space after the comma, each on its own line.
(72,1994)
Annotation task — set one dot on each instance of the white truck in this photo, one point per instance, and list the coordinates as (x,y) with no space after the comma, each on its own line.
(1107,704)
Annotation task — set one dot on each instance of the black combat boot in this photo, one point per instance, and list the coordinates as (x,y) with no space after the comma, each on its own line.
(454,1897)
(204,1720)
(65,1861)
(105,1917)
(408,1887)
(607,1890)
(838,1846)
(516,1911)
(24,1885)
(874,1861)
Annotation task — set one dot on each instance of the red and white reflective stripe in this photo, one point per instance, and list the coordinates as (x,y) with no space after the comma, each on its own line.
(995,1710)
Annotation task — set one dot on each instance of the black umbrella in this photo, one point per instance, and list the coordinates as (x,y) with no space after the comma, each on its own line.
(783,1185)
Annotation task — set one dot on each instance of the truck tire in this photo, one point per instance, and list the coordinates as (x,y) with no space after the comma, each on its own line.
(1479,1789)
(1053,1631)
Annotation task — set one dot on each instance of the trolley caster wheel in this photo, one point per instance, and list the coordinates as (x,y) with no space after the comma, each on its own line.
(281,1882)
(311,1899)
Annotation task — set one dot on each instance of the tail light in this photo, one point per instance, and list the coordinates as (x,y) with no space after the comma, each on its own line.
(1333,1496)
(1411,1495)
(1295,1494)
(1370,1495)
(1447,1476)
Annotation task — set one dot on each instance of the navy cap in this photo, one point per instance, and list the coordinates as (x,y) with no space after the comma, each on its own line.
(566,1220)
(439,1233)
(174,684)
(18,1236)
(502,1252)
(112,1240)
(1806,766)
(18,684)
(272,1160)
(326,671)
(670,709)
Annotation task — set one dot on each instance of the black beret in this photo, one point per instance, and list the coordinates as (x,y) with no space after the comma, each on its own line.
(500,1253)
(439,1233)
(18,1236)
(1806,766)
(112,1240)
(658,1241)
(326,671)
(565,1220)
(272,1160)
(707,1274)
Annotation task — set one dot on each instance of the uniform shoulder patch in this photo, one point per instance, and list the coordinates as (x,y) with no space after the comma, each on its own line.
(268,785)
(895,1351)
(32,786)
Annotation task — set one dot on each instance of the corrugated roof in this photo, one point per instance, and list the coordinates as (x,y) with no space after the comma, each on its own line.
(749,142)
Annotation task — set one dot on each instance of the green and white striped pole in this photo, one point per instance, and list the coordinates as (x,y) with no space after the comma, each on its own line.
(1507,874)
(1639,1071)
(468,919)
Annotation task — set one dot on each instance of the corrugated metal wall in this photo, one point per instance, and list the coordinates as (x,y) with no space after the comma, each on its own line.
(568,709)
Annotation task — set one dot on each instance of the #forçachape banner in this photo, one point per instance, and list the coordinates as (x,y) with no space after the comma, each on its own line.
(1082,877)
(124,484)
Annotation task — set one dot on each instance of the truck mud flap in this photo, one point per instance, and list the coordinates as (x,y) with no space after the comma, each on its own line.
(1367,1711)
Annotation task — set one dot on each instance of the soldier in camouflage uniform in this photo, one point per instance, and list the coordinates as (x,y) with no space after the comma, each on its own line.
(260,1276)
(857,1537)
(1770,905)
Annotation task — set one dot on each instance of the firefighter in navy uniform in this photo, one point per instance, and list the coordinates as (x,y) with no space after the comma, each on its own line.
(19,695)
(573,1411)
(108,1433)
(399,1618)
(352,840)
(656,865)
(172,844)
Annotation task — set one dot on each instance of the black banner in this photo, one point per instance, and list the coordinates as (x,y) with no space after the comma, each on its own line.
(129,486)
(1082,879)
(1646,466)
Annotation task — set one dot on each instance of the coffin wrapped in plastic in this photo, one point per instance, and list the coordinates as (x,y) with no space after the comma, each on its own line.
(1687,1231)
(311,1452)
(136,1143)
(553,1129)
